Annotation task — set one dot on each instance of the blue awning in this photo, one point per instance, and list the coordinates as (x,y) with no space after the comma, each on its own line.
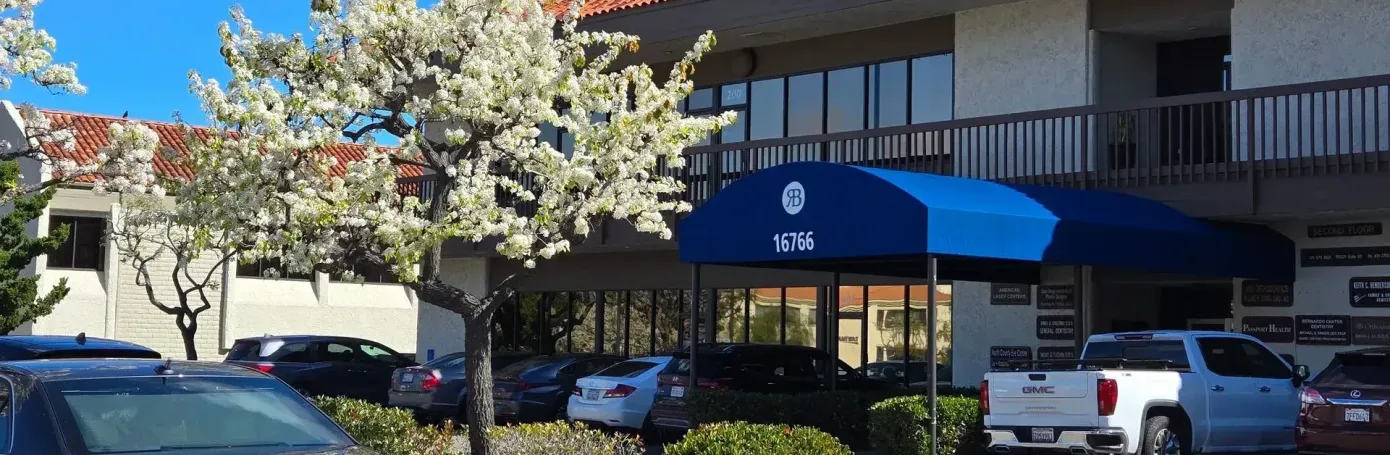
(833,217)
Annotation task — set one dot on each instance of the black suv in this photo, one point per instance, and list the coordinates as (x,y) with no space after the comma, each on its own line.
(323,365)
(31,347)
(759,368)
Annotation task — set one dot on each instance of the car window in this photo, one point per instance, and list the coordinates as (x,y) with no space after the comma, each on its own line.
(708,365)
(293,352)
(628,369)
(338,352)
(1358,369)
(781,365)
(1263,363)
(515,370)
(1174,351)
(447,361)
(245,350)
(6,411)
(377,353)
(1224,356)
(147,414)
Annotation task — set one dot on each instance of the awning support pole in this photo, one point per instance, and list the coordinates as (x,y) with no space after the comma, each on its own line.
(1078,289)
(833,332)
(931,348)
(694,333)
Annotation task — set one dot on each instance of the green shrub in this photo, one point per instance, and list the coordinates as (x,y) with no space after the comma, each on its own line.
(842,414)
(391,431)
(560,439)
(740,438)
(901,426)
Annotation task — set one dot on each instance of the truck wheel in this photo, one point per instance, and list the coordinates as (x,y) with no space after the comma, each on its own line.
(1161,438)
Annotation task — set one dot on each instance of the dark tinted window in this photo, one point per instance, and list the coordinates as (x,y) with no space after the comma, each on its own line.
(932,89)
(446,361)
(1171,350)
(84,248)
(245,350)
(1357,369)
(1263,363)
(515,370)
(293,352)
(806,104)
(269,268)
(709,365)
(628,369)
(916,372)
(122,415)
(5,412)
(1224,356)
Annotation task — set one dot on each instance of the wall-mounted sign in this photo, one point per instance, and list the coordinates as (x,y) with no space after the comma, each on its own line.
(846,339)
(1322,330)
(1057,353)
(1346,256)
(1010,294)
(1255,293)
(1370,330)
(1000,356)
(1369,291)
(1344,230)
(1269,329)
(1055,297)
(1061,327)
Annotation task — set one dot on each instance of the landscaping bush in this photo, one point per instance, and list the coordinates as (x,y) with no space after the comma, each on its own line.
(391,431)
(741,438)
(901,426)
(844,415)
(561,439)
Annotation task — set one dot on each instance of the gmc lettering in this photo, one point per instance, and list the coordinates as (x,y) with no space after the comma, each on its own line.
(1046,389)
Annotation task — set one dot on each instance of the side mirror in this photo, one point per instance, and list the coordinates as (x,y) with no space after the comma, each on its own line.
(1301,372)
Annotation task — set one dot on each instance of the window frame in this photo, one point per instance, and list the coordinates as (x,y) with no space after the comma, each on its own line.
(260,265)
(54,220)
(1233,343)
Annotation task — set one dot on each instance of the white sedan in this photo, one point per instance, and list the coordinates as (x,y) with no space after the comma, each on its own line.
(620,395)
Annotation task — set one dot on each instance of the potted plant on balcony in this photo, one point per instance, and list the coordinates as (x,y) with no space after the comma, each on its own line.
(1123,152)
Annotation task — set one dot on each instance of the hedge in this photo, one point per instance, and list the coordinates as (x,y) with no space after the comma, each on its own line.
(901,426)
(741,438)
(842,414)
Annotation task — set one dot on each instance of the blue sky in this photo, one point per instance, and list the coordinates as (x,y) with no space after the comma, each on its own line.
(134,55)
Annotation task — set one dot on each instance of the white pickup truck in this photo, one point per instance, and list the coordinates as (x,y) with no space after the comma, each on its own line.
(1147,393)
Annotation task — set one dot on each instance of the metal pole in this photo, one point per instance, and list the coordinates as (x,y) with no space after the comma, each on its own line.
(907,334)
(601,300)
(694,331)
(864,331)
(931,347)
(1079,312)
(833,334)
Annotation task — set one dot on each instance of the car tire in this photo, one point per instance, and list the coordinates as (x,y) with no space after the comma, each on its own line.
(563,414)
(1161,437)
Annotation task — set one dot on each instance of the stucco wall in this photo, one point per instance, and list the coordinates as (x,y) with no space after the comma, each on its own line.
(1018,57)
(977,325)
(1276,42)
(1321,290)
(441,330)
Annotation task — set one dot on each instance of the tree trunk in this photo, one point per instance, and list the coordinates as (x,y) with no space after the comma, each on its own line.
(477,370)
(188,328)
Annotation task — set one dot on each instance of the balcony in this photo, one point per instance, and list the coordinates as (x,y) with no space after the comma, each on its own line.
(1244,154)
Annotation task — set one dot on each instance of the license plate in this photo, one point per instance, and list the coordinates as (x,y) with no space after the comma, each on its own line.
(591,394)
(677,392)
(407,378)
(1042,435)
(1358,415)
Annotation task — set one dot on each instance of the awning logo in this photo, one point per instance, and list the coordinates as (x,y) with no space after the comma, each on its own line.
(793,198)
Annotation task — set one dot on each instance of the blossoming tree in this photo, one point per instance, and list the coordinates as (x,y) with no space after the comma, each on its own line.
(463,86)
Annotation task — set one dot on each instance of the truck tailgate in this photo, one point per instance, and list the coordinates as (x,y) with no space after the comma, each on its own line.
(1043,398)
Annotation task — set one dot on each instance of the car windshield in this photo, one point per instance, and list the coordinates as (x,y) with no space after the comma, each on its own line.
(515,370)
(138,414)
(917,372)
(1358,369)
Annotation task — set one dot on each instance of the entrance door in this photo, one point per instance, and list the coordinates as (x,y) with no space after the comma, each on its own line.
(1200,133)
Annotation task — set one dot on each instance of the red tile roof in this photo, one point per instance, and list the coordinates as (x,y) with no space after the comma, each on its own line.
(90,134)
(598,7)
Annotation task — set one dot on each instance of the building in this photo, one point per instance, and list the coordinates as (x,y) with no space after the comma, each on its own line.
(1268,112)
(106,301)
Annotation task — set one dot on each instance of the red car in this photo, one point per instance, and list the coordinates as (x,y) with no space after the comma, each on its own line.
(1344,409)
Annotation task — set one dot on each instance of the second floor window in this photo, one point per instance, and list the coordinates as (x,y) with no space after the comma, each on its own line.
(371,275)
(85,247)
(262,268)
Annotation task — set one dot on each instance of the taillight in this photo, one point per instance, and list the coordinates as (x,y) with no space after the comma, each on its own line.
(522,387)
(430,381)
(621,391)
(1107,395)
(984,397)
(264,367)
(577,391)
(1310,395)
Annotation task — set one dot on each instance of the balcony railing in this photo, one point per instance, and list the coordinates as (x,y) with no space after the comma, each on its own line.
(1322,128)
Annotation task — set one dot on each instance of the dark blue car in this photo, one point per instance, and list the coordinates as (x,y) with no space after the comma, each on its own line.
(538,388)
(319,365)
(110,406)
(33,347)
